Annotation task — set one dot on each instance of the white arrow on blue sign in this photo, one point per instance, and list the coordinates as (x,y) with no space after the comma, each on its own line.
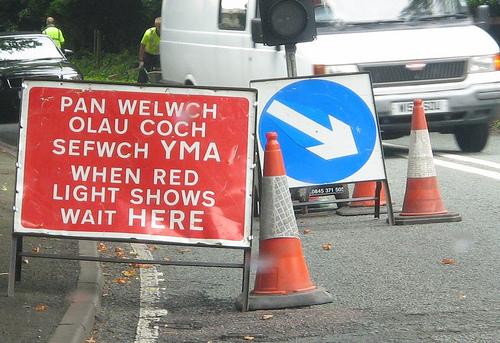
(327,132)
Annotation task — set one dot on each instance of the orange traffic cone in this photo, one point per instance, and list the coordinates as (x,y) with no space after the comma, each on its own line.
(282,278)
(365,189)
(422,201)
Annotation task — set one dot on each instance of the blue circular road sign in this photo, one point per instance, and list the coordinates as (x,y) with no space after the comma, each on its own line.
(326,131)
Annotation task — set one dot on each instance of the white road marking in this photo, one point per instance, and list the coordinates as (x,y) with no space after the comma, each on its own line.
(472,160)
(149,312)
(459,166)
(467,169)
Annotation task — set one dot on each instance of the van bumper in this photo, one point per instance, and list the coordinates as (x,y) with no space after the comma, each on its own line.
(475,104)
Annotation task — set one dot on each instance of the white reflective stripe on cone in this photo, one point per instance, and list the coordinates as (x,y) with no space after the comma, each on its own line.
(420,158)
(278,220)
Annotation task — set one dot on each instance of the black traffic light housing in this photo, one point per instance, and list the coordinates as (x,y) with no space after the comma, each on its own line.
(287,22)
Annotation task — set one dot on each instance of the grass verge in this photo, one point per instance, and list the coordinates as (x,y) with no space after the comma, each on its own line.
(119,67)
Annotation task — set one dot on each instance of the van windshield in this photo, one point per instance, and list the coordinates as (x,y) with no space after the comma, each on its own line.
(346,14)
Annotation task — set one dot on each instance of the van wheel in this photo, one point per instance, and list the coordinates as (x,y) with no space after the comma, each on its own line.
(472,138)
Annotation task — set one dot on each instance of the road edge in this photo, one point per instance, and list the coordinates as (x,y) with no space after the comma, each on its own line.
(78,321)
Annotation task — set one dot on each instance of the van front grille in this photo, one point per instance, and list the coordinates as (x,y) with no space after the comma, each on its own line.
(416,72)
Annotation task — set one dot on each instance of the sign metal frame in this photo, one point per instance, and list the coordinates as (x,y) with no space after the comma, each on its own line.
(359,84)
(247,160)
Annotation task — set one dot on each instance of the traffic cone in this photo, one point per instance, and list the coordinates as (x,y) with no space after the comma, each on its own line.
(365,189)
(282,278)
(422,202)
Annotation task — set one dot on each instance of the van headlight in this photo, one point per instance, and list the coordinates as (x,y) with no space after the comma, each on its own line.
(321,69)
(479,64)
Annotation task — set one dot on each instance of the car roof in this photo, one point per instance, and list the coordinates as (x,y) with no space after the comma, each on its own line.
(20,33)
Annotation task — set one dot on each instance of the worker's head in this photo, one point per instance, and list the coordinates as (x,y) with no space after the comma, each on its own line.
(158,24)
(50,21)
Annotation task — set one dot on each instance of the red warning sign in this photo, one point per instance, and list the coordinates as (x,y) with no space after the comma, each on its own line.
(166,164)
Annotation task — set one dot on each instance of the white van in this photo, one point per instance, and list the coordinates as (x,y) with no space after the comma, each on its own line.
(412,49)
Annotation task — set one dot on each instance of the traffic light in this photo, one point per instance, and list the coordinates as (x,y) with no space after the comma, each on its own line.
(287,22)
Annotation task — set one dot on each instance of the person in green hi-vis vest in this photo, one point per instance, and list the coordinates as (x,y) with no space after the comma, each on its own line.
(149,51)
(53,32)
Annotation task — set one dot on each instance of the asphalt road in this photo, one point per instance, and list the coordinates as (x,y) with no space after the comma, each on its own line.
(9,134)
(417,283)
(40,297)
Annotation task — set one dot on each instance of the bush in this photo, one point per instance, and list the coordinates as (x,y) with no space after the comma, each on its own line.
(115,67)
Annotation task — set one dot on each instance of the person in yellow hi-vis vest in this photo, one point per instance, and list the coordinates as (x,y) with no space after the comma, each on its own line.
(149,51)
(53,32)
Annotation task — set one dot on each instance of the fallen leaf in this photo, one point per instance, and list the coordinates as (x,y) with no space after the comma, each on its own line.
(26,261)
(141,265)
(41,308)
(248,338)
(266,316)
(327,246)
(166,258)
(119,253)
(151,247)
(448,261)
(129,273)
(183,250)
(90,340)
(120,280)
(36,250)
(101,247)
(118,249)
(133,253)
(306,231)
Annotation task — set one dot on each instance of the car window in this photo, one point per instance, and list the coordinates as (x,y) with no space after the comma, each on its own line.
(27,48)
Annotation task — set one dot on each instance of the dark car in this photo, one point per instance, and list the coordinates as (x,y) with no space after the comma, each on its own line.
(28,55)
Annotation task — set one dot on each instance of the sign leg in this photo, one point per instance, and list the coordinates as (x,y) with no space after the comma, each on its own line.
(390,213)
(13,266)
(246,280)
(378,188)
(19,258)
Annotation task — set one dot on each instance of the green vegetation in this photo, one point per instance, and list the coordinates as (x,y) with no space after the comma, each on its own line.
(104,25)
(114,67)
(493,4)
(495,126)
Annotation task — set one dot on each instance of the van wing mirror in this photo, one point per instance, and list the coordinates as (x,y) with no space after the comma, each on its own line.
(257,31)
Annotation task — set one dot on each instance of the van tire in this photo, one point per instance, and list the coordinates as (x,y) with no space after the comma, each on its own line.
(472,138)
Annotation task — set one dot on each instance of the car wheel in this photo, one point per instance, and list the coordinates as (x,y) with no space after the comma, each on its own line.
(472,138)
